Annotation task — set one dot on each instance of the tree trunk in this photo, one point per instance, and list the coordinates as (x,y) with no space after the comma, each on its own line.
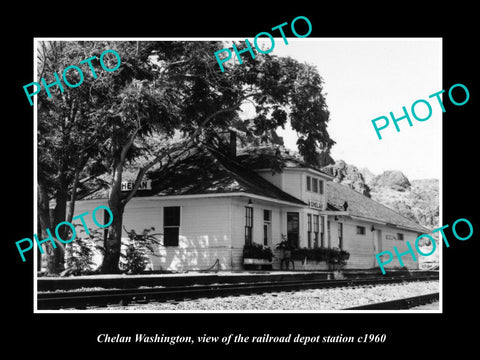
(113,243)
(39,254)
(44,224)
(73,196)
(59,216)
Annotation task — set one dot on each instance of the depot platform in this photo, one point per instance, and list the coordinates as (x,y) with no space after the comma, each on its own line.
(123,281)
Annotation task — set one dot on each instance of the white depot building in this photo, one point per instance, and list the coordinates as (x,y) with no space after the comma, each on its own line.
(214,203)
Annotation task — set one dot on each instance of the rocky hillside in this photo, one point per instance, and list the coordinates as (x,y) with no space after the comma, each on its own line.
(416,199)
(348,175)
(419,201)
(391,179)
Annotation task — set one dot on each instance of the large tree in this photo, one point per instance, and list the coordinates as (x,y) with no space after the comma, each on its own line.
(167,97)
(187,100)
(68,141)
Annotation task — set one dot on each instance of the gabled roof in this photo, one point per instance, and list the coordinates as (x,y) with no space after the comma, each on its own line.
(266,157)
(209,171)
(204,171)
(363,207)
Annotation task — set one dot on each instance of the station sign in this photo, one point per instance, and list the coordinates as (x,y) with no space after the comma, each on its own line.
(317,205)
(144,185)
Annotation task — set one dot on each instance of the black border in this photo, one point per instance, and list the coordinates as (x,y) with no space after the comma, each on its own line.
(77,333)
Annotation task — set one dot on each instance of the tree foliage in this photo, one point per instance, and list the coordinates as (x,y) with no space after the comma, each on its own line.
(135,258)
(68,137)
(79,257)
(172,92)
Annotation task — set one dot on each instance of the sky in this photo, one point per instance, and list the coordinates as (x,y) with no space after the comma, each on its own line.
(365,78)
(368,78)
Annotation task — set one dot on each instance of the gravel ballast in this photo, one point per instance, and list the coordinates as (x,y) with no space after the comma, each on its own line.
(314,299)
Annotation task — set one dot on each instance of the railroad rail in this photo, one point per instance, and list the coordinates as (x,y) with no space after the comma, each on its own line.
(400,304)
(82,299)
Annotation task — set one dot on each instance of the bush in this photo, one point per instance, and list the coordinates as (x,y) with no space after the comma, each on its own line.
(331,256)
(338,257)
(80,252)
(285,244)
(79,257)
(257,251)
(301,254)
(135,259)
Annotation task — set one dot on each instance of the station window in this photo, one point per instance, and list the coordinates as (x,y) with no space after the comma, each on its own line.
(267,226)
(248,225)
(360,230)
(340,235)
(328,233)
(309,230)
(312,229)
(171,225)
(317,230)
(267,215)
(315,185)
(400,236)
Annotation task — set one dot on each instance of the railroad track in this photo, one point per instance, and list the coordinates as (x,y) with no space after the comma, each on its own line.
(82,299)
(400,304)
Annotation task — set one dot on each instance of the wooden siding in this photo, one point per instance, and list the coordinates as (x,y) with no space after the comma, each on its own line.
(238,227)
(214,228)
(363,249)
(293,183)
(204,235)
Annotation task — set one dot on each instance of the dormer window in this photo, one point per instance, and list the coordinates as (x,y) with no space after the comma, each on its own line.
(315,185)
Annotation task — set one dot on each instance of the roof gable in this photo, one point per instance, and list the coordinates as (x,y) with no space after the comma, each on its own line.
(267,157)
(209,171)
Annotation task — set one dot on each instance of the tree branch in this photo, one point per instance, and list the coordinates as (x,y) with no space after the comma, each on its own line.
(128,145)
(218,112)
(141,173)
(73,194)
(118,167)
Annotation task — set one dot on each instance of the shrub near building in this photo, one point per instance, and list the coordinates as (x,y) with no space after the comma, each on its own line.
(332,256)
(257,251)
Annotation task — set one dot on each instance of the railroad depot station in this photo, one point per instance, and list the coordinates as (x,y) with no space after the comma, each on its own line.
(214,203)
